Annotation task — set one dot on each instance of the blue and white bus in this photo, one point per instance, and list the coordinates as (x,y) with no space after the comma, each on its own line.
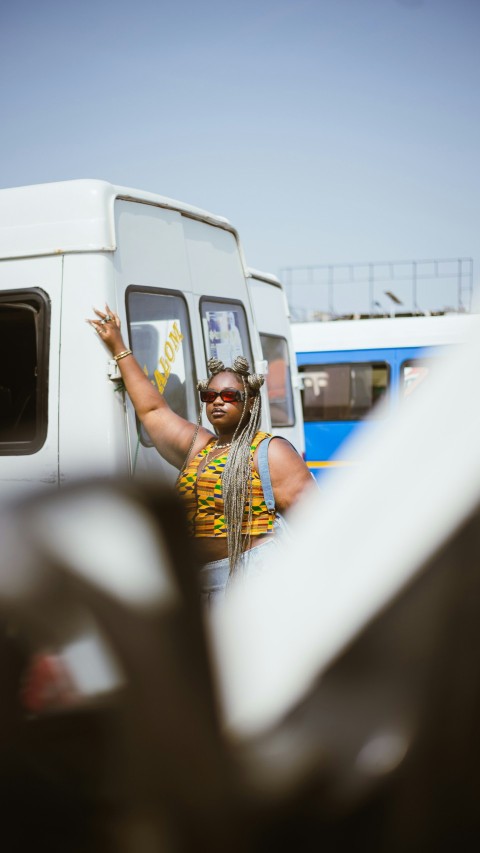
(348,366)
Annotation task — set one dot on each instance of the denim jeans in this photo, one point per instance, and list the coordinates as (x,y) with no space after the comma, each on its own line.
(214,575)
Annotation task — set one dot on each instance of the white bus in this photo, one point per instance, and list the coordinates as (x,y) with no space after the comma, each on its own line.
(175,274)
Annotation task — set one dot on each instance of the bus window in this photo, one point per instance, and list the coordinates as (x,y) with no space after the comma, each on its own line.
(342,392)
(225,330)
(412,374)
(279,381)
(24,321)
(161,341)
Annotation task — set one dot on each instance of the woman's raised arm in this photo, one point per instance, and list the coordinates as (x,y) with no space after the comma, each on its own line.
(170,433)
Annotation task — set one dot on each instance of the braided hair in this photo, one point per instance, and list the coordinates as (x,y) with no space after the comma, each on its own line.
(237,474)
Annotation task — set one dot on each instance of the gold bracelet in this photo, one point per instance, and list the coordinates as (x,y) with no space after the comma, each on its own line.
(123,354)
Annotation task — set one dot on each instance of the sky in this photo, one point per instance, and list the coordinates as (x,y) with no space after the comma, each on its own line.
(326,131)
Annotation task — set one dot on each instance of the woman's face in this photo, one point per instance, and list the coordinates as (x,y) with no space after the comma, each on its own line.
(225,416)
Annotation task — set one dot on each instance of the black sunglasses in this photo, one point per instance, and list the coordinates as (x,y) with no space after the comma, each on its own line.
(228,395)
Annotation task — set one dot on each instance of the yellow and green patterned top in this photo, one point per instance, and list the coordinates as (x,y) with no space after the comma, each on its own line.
(203,499)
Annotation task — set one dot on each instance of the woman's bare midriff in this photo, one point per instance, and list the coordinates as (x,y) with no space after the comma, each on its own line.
(211,548)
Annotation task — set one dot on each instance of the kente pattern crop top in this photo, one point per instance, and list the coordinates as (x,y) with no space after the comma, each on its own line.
(203,499)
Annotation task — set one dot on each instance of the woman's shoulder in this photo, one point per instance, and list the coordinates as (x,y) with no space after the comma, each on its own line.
(281,442)
(259,437)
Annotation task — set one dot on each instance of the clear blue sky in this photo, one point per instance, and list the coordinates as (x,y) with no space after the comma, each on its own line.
(325,130)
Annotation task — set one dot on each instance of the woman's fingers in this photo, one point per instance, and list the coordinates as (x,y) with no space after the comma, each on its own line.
(99,319)
(94,323)
(104,318)
(107,325)
(111,316)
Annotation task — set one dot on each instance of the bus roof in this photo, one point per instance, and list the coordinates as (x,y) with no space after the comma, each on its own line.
(384,333)
(73,216)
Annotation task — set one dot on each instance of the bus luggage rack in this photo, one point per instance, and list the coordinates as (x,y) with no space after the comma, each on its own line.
(379,289)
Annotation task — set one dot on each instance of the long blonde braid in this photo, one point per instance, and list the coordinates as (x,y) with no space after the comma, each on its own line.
(237,474)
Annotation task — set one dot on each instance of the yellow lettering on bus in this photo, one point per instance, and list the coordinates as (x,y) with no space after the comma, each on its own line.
(170,348)
(164,364)
(160,380)
(176,336)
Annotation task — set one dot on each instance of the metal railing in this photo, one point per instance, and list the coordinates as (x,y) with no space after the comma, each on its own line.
(379,288)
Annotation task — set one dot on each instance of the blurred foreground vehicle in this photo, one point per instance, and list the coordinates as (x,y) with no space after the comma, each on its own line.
(333,701)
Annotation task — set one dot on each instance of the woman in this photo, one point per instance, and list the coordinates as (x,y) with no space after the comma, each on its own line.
(219,480)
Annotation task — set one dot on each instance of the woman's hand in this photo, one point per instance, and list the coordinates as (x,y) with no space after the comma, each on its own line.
(107,326)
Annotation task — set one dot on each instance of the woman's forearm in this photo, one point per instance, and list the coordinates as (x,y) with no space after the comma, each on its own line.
(171,434)
(144,395)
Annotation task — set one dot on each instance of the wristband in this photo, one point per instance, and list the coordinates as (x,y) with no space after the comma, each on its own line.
(123,354)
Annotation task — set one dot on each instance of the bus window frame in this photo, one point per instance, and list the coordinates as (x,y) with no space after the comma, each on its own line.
(317,367)
(293,421)
(422,361)
(225,303)
(163,291)
(39,300)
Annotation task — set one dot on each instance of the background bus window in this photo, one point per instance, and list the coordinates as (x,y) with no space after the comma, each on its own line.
(161,341)
(413,373)
(225,331)
(342,392)
(23,371)
(279,380)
